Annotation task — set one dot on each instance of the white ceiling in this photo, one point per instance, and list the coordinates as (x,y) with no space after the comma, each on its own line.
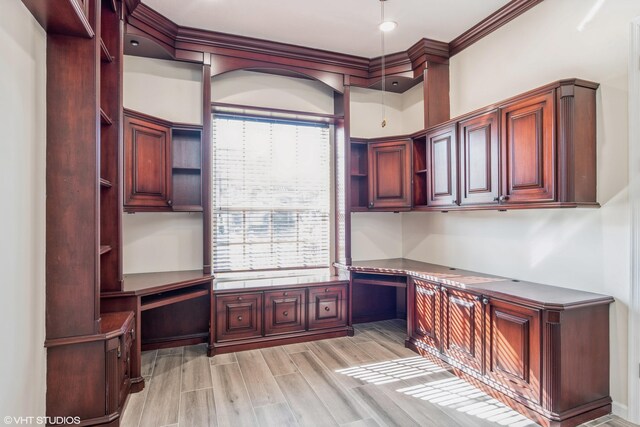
(348,26)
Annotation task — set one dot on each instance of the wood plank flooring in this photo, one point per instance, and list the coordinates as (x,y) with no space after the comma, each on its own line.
(367,380)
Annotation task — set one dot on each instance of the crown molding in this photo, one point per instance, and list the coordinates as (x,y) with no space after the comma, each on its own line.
(500,17)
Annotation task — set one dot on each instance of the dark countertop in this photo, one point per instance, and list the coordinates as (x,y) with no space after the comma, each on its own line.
(151,283)
(539,295)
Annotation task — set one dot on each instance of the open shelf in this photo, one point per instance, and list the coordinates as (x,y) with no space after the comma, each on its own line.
(171,297)
(67,17)
(105,56)
(181,169)
(104,249)
(105,119)
(420,171)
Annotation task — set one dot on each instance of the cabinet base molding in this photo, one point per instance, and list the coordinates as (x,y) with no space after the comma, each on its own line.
(137,384)
(231,347)
(570,418)
(175,341)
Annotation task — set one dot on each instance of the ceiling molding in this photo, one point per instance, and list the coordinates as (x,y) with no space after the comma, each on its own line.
(500,17)
(192,44)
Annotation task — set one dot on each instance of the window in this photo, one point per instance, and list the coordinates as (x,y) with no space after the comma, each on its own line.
(271,194)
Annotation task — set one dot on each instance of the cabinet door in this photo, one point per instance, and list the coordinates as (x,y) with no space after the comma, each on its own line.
(463,328)
(390,174)
(426,317)
(528,146)
(442,161)
(327,307)
(479,159)
(513,348)
(147,170)
(284,311)
(238,316)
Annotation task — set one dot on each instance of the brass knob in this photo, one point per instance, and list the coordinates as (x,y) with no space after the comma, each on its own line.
(286,313)
(326,289)
(327,309)
(370,205)
(503,199)
(240,318)
(169,202)
(239,298)
(285,294)
(485,300)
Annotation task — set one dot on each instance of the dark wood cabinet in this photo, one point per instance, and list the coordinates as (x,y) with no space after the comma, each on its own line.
(327,307)
(528,145)
(147,158)
(463,328)
(427,313)
(239,316)
(442,166)
(479,159)
(513,353)
(284,311)
(163,165)
(390,174)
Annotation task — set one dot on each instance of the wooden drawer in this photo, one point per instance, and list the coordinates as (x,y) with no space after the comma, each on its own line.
(327,307)
(284,311)
(238,316)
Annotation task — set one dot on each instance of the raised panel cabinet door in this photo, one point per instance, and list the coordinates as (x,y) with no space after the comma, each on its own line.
(442,165)
(463,328)
(327,307)
(238,316)
(390,174)
(528,150)
(479,159)
(426,322)
(284,311)
(513,355)
(147,165)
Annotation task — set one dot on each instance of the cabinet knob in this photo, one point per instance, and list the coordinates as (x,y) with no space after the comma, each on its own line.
(169,202)
(239,298)
(285,294)
(240,318)
(370,205)
(485,300)
(503,199)
(133,334)
(327,309)
(286,313)
(326,289)
(496,199)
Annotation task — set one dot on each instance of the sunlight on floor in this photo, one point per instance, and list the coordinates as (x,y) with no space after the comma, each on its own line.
(449,392)
(392,370)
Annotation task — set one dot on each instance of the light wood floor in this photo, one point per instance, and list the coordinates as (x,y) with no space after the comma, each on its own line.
(366,380)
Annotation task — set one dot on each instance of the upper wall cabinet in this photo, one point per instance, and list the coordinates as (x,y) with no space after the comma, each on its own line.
(479,159)
(163,165)
(390,174)
(536,150)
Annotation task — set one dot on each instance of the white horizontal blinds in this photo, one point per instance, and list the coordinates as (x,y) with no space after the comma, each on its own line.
(271,194)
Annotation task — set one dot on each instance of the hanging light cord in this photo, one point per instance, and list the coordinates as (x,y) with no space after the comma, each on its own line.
(384,120)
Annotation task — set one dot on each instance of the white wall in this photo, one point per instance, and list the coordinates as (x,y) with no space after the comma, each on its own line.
(22,184)
(171,90)
(162,241)
(577,248)
(271,91)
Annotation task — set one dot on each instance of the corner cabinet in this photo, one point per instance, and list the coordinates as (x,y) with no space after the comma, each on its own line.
(535,150)
(522,349)
(162,165)
(380,172)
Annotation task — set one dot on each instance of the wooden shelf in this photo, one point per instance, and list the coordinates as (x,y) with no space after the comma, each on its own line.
(421,171)
(359,175)
(161,300)
(105,119)
(105,56)
(105,183)
(66,17)
(104,249)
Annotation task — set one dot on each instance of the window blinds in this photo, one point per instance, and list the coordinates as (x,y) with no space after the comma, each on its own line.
(271,194)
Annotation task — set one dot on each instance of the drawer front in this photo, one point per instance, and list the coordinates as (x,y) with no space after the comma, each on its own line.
(284,311)
(327,307)
(238,316)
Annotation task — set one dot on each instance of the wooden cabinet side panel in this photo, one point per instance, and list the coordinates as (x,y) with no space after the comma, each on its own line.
(442,165)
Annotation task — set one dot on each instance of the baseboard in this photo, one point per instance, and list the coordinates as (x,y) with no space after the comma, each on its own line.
(620,410)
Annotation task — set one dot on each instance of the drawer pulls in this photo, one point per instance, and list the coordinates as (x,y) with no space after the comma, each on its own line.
(240,318)
(286,313)
(326,308)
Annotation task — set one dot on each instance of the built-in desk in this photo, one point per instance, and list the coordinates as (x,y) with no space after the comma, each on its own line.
(543,350)
(171,309)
